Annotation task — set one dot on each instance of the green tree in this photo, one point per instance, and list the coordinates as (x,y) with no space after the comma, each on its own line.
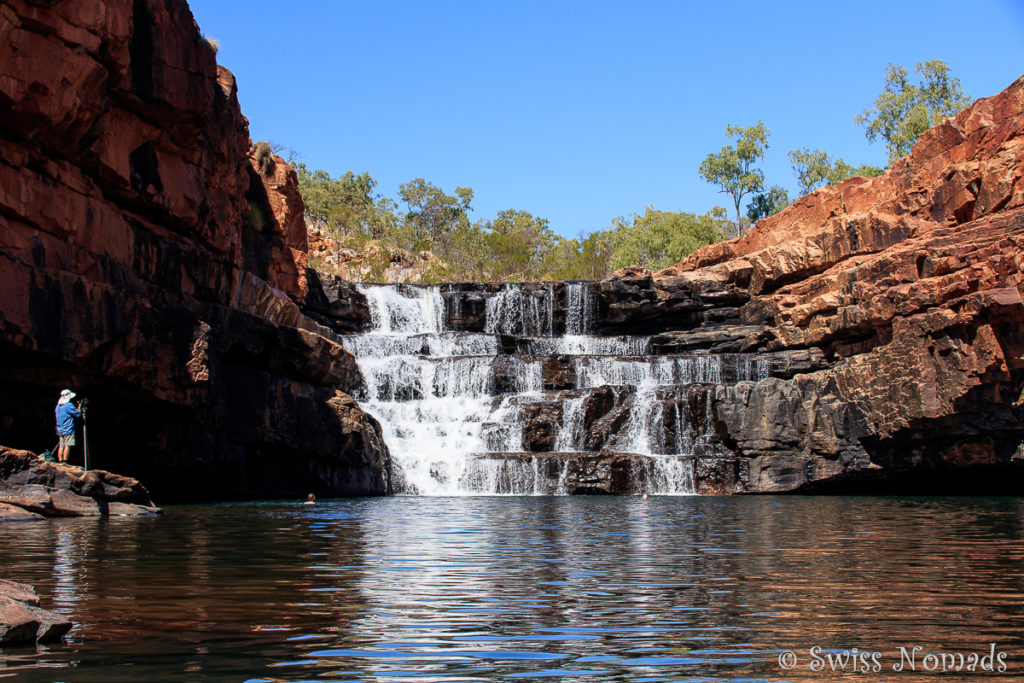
(518,243)
(842,170)
(515,245)
(662,238)
(346,206)
(814,168)
(466,252)
(811,167)
(585,258)
(433,215)
(767,203)
(905,110)
(733,170)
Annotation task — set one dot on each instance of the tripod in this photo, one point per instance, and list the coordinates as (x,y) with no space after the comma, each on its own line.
(85,436)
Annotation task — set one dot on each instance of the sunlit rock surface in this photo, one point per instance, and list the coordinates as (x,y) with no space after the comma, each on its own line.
(905,291)
(51,489)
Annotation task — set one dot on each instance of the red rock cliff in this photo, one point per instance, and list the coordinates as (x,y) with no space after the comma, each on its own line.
(905,289)
(148,265)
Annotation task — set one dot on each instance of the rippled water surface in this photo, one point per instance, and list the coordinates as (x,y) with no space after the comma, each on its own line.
(482,589)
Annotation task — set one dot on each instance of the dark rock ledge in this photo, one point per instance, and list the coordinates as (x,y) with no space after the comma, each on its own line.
(31,489)
(22,620)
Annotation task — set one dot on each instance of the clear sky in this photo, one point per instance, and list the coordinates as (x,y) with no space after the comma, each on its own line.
(583,111)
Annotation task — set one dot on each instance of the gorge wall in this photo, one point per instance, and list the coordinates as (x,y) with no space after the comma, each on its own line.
(907,287)
(150,265)
(867,338)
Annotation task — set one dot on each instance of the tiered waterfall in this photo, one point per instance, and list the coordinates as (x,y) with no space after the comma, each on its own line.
(506,390)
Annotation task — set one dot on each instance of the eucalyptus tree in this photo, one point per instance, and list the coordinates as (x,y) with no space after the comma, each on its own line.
(733,169)
(433,215)
(814,168)
(767,203)
(904,110)
(658,239)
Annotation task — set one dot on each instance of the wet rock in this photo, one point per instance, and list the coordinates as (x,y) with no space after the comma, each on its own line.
(601,427)
(718,476)
(596,405)
(13,513)
(716,339)
(541,422)
(32,497)
(505,379)
(559,372)
(23,621)
(466,306)
(335,303)
(510,345)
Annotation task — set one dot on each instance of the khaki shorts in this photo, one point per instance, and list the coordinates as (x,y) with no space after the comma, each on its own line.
(66,440)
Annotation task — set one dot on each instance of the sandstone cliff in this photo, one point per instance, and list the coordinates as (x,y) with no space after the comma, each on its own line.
(147,264)
(907,286)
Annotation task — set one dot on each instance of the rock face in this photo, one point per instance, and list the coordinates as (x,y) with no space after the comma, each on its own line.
(22,620)
(45,489)
(150,265)
(900,296)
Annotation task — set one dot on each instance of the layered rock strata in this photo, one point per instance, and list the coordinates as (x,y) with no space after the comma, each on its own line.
(149,264)
(907,285)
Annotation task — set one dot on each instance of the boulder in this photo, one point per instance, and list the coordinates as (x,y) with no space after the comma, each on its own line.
(540,421)
(23,621)
(13,513)
(46,489)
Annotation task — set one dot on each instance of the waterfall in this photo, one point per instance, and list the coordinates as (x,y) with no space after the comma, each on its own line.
(570,435)
(468,412)
(519,311)
(403,309)
(578,309)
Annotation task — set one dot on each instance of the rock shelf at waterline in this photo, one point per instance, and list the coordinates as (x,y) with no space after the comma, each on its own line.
(533,403)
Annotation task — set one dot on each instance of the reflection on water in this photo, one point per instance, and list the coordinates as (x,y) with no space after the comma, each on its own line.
(480,589)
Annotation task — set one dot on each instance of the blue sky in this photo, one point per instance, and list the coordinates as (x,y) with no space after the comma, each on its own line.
(583,111)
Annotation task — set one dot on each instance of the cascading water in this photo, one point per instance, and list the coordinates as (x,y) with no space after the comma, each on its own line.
(452,404)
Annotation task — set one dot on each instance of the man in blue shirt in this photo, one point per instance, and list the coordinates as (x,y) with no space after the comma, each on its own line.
(66,414)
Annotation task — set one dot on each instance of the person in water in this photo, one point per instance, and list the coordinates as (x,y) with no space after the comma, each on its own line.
(310,500)
(66,413)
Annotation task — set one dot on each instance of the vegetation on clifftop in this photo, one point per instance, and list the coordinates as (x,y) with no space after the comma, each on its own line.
(904,110)
(433,227)
(427,235)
